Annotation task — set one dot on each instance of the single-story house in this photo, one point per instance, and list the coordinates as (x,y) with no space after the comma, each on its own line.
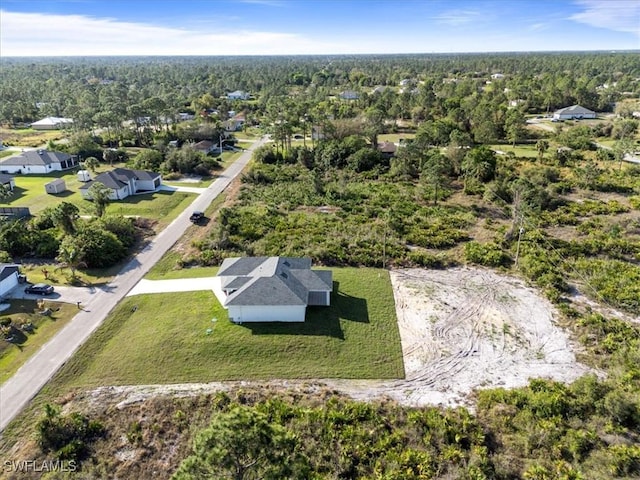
(124,182)
(206,147)
(52,123)
(238,95)
(272,289)
(497,76)
(38,161)
(388,149)
(7,181)
(55,186)
(8,277)
(573,112)
(235,123)
(349,95)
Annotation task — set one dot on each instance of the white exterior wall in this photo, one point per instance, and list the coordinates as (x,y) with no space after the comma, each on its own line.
(29,168)
(264,313)
(8,284)
(146,185)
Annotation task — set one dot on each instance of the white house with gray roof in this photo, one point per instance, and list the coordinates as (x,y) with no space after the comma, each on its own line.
(38,161)
(8,278)
(124,182)
(272,289)
(573,112)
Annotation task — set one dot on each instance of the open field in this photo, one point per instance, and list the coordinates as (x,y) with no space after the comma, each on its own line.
(520,150)
(28,137)
(162,338)
(13,355)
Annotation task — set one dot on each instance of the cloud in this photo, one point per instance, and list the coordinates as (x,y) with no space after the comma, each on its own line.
(456,18)
(537,27)
(618,15)
(35,34)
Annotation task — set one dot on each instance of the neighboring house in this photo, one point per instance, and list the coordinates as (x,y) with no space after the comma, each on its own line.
(497,76)
(52,123)
(272,289)
(8,278)
(573,112)
(7,181)
(38,161)
(206,147)
(184,116)
(388,149)
(238,95)
(235,123)
(124,182)
(317,133)
(55,186)
(349,95)
(379,89)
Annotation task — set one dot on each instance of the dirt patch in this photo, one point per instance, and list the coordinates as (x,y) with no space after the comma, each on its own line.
(465,328)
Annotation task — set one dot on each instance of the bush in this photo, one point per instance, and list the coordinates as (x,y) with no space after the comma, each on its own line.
(488,254)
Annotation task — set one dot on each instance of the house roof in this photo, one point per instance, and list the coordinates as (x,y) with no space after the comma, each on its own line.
(37,157)
(57,181)
(387,147)
(574,109)
(4,178)
(119,177)
(204,145)
(271,280)
(52,121)
(8,269)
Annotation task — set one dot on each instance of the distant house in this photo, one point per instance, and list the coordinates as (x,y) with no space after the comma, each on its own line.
(52,123)
(38,161)
(349,95)
(8,278)
(7,181)
(184,116)
(206,147)
(272,289)
(55,186)
(238,95)
(497,76)
(388,149)
(235,123)
(573,112)
(124,182)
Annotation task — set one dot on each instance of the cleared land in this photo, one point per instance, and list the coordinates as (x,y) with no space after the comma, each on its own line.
(164,338)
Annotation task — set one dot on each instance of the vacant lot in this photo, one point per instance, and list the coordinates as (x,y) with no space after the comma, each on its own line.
(187,337)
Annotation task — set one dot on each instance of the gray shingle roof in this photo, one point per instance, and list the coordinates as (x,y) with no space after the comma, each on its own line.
(4,178)
(575,109)
(7,269)
(108,179)
(37,157)
(271,280)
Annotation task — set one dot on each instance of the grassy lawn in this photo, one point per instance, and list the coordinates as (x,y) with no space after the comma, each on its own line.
(520,150)
(164,340)
(30,192)
(14,355)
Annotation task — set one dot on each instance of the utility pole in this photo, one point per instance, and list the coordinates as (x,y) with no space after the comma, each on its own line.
(520,232)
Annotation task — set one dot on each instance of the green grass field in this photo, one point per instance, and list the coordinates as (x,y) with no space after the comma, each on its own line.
(13,355)
(520,150)
(162,338)
(30,192)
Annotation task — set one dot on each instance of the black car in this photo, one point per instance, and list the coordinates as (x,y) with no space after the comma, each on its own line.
(39,289)
(197,217)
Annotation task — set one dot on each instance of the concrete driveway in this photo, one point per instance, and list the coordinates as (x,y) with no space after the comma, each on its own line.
(61,294)
(179,285)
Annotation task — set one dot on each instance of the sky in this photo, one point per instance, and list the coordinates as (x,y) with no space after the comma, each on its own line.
(313,27)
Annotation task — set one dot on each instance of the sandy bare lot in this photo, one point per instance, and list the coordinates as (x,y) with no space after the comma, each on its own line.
(461,329)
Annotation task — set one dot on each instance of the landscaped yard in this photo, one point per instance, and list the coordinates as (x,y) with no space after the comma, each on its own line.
(187,337)
(30,192)
(13,355)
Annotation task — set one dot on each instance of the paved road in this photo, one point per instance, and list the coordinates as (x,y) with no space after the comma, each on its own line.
(16,392)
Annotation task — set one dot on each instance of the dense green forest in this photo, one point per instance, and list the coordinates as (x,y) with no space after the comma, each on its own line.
(474,180)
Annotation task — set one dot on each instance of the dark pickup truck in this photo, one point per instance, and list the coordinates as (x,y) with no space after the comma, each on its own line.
(197,217)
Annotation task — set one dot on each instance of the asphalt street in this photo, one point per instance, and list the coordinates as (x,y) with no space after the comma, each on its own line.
(16,392)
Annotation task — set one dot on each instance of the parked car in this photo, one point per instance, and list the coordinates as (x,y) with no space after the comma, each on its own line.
(197,217)
(39,289)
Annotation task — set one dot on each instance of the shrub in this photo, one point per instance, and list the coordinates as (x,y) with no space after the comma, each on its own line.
(487,254)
